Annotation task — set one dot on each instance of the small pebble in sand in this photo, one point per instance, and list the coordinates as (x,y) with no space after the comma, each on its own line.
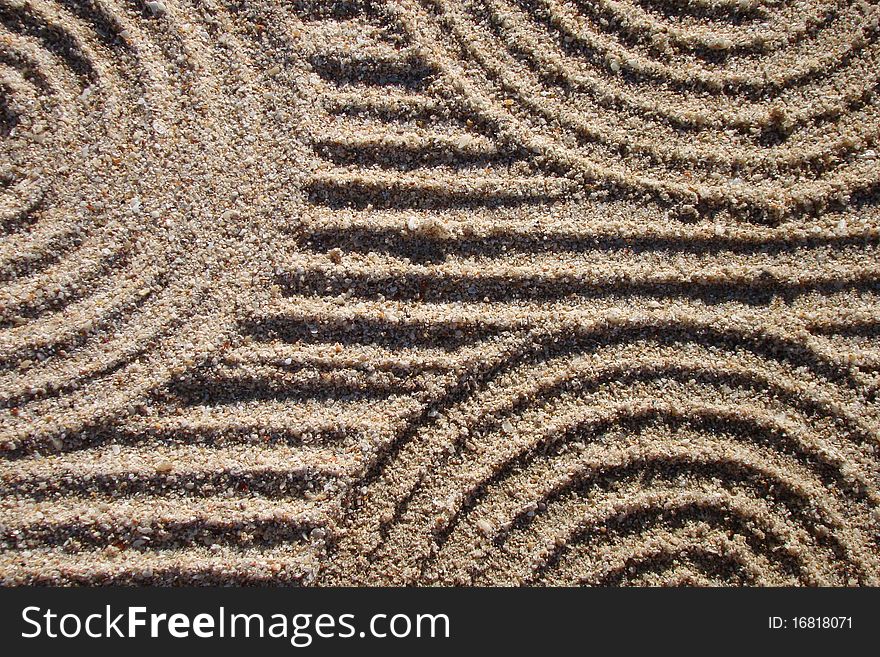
(157,7)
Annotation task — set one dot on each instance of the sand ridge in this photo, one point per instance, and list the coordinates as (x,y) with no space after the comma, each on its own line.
(439,292)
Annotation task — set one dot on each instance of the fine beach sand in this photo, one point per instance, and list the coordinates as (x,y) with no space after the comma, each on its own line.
(438,292)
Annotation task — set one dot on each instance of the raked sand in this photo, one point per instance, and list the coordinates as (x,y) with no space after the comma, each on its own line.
(429,292)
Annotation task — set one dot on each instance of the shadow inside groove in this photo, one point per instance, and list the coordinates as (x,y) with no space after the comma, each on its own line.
(421,248)
(406,72)
(761,290)
(9,118)
(102,434)
(206,574)
(331,9)
(222,390)
(252,532)
(271,484)
(411,157)
(364,193)
(444,335)
(853,329)
(734,13)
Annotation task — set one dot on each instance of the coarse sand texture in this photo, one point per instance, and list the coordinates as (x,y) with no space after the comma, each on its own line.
(435,292)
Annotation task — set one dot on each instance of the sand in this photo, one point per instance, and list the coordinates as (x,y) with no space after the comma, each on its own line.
(439,293)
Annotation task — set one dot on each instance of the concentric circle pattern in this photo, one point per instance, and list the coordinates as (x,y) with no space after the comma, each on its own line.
(433,292)
(757,109)
(78,256)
